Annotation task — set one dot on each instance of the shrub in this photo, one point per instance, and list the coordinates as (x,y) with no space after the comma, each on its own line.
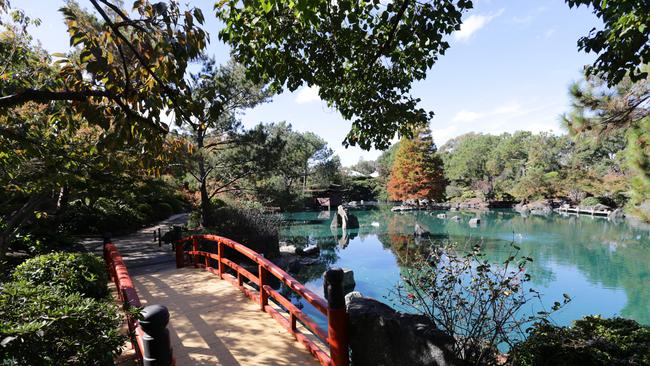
(146,211)
(163,210)
(479,303)
(590,341)
(44,326)
(71,272)
(589,201)
(176,205)
(249,226)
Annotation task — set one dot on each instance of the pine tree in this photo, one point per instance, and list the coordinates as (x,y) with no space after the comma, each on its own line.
(417,172)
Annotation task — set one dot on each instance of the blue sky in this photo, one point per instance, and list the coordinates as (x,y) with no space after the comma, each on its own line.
(508,69)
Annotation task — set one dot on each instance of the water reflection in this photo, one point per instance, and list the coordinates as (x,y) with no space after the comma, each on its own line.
(604,266)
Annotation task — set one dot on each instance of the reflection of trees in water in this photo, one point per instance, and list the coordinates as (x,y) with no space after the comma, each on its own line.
(612,255)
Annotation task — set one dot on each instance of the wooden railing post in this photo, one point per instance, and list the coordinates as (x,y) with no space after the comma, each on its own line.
(179,246)
(195,248)
(264,296)
(337,318)
(157,347)
(219,265)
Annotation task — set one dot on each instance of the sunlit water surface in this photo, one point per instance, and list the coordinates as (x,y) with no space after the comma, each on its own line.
(604,266)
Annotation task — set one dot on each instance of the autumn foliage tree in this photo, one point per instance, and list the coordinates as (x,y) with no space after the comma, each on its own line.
(417,172)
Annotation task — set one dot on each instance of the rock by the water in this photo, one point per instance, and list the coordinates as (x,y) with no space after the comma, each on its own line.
(381,336)
(419,231)
(344,220)
(352,295)
(402,208)
(309,250)
(539,208)
(288,249)
(474,222)
(616,214)
(441,216)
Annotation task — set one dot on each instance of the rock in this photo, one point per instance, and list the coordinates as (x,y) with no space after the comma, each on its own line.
(441,216)
(539,208)
(474,222)
(352,295)
(344,220)
(380,336)
(616,214)
(455,218)
(402,208)
(288,249)
(453,209)
(601,207)
(419,231)
(353,222)
(311,250)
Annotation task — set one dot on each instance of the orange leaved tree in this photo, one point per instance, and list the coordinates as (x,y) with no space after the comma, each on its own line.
(417,172)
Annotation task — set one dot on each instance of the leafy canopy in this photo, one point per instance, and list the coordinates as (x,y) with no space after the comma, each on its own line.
(622,45)
(362,55)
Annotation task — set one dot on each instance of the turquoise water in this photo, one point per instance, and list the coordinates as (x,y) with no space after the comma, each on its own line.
(604,266)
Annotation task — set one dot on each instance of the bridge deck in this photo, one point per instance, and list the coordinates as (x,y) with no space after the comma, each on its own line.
(213,323)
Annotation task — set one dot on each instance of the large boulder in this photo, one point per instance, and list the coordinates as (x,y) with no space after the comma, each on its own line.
(344,220)
(380,336)
(539,208)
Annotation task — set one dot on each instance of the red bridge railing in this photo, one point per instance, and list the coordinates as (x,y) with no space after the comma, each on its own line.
(128,295)
(336,336)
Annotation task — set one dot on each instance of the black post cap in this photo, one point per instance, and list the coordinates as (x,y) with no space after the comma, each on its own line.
(335,295)
(154,318)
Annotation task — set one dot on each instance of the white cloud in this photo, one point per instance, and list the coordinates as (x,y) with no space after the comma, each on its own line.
(549,33)
(522,20)
(473,23)
(307,94)
(466,116)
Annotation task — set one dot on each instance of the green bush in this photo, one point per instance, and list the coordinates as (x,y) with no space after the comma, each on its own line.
(589,201)
(45,326)
(176,204)
(146,211)
(590,341)
(72,272)
(163,210)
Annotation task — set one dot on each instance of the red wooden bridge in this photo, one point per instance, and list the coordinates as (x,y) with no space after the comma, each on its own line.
(213,323)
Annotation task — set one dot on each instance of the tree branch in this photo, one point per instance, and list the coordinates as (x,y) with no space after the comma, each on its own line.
(44,96)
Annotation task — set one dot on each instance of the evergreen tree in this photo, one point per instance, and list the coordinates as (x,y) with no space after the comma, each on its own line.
(417,172)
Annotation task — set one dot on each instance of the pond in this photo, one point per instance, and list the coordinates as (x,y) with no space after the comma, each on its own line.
(604,266)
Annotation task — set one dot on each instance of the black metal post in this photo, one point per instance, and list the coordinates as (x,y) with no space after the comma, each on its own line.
(157,347)
(159,239)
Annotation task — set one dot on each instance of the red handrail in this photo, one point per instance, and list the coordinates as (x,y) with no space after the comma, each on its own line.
(126,293)
(335,338)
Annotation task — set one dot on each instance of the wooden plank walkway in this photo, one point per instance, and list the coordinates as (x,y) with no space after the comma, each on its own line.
(213,323)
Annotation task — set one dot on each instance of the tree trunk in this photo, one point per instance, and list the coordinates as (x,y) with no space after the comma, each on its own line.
(206,207)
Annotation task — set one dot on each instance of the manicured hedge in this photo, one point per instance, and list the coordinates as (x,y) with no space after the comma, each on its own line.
(592,341)
(71,272)
(43,325)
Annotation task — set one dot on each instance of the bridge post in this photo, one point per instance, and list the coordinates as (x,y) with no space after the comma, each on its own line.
(337,318)
(195,248)
(157,346)
(264,297)
(219,265)
(178,246)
